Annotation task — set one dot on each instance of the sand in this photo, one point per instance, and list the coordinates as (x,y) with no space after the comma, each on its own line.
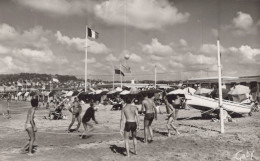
(199,139)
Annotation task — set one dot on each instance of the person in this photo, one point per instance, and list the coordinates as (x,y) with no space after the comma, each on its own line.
(171,117)
(76,111)
(177,104)
(89,114)
(51,109)
(129,122)
(118,104)
(8,106)
(166,102)
(30,126)
(150,114)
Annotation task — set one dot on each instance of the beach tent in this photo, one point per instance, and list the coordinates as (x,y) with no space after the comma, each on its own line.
(26,94)
(134,90)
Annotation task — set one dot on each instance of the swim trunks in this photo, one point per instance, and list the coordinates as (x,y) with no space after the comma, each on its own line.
(149,116)
(130,126)
(28,125)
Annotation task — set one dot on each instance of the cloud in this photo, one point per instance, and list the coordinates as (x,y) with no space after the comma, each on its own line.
(132,56)
(156,58)
(4,50)
(58,7)
(243,24)
(7,32)
(156,15)
(211,49)
(79,44)
(193,59)
(111,58)
(156,48)
(183,42)
(246,51)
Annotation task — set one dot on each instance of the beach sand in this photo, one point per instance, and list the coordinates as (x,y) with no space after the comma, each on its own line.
(200,139)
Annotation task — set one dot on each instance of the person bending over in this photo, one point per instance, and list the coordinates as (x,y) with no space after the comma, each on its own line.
(89,114)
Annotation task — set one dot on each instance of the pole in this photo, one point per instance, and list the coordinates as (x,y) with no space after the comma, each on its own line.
(121,75)
(113,77)
(155,76)
(220,91)
(86,59)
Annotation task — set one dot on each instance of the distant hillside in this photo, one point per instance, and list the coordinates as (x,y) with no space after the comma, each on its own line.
(35,77)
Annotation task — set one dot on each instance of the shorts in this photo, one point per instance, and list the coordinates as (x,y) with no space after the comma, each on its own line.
(85,119)
(177,106)
(130,126)
(149,116)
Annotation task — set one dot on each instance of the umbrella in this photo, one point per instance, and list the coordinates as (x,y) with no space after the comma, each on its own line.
(52,93)
(239,89)
(75,93)
(134,90)
(111,92)
(98,91)
(69,94)
(119,89)
(125,92)
(202,91)
(177,92)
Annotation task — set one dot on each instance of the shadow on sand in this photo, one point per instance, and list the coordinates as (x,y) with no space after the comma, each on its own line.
(117,149)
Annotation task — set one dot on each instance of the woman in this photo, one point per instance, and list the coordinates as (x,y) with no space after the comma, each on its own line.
(30,126)
(171,118)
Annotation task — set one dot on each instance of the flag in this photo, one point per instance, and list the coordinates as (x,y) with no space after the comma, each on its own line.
(117,71)
(126,69)
(55,80)
(93,34)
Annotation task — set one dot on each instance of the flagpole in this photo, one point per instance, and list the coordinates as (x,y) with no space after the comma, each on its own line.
(121,75)
(86,59)
(155,76)
(220,91)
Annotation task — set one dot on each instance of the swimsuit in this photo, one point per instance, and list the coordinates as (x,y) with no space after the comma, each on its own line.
(28,125)
(130,126)
(149,116)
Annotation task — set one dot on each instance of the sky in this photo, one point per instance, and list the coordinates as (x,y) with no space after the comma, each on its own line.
(179,37)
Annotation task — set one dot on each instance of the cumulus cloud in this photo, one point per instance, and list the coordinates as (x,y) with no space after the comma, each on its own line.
(79,44)
(4,50)
(156,14)
(7,32)
(59,7)
(132,56)
(243,24)
(183,42)
(156,48)
(245,51)
(211,49)
(111,58)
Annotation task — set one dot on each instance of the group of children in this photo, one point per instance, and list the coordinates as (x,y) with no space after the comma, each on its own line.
(130,121)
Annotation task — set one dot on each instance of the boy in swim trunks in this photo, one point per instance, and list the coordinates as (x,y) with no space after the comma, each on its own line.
(129,122)
(171,118)
(150,113)
(30,126)
(76,111)
(89,114)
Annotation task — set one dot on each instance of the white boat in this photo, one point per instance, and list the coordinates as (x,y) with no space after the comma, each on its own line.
(204,104)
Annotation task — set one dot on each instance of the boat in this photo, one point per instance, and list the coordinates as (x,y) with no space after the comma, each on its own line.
(206,104)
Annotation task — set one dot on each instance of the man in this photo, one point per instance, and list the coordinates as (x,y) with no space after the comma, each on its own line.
(30,126)
(150,113)
(76,111)
(89,114)
(129,116)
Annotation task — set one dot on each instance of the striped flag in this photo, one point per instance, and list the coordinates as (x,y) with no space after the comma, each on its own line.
(93,34)
(126,69)
(117,71)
